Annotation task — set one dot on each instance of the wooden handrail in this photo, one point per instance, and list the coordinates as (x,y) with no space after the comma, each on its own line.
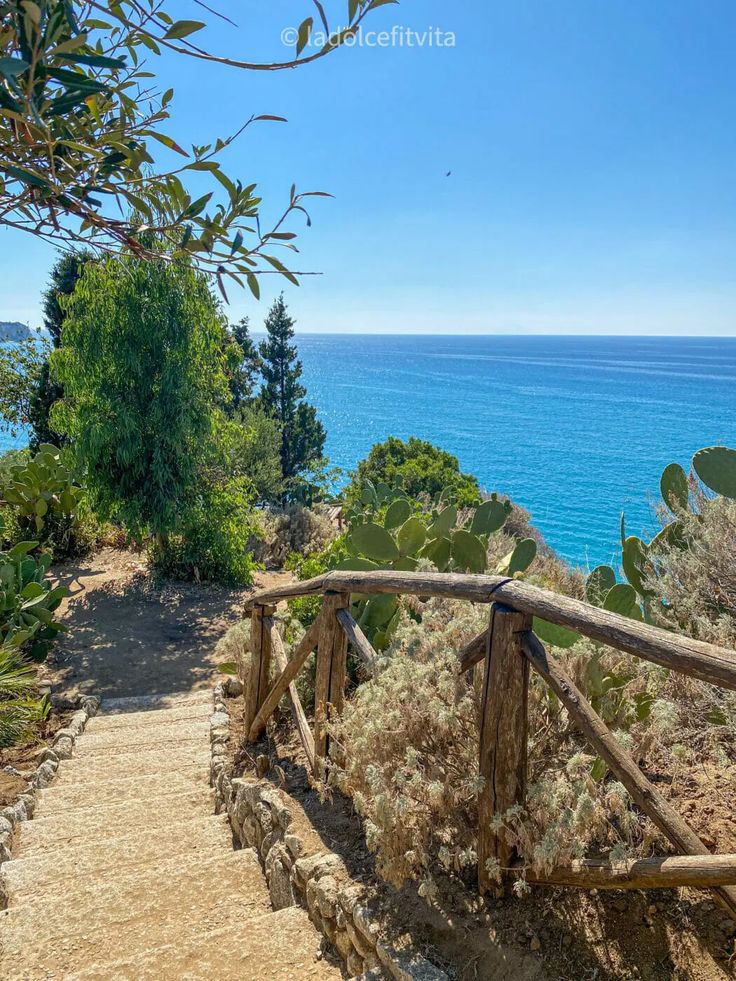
(671,872)
(708,662)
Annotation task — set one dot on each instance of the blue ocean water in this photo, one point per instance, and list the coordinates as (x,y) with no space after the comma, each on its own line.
(576,429)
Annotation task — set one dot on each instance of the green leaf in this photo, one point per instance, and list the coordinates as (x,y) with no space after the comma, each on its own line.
(716,467)
(598,583)
(522,556)
(183,28)
(357,564)
(375,542)
(438,551)
(489,518)
(12,67)
(21,549)
(228,667)
(622,599)
(553,634)
(444,522)
(468,551)
(396,514)
(304,34)
(674,487)
(412,536)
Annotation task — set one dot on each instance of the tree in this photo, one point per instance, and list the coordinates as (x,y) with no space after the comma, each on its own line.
(81,113)
(143,374)
(64,276)
(244,365)
(418,467)
(302,434)
(21,367)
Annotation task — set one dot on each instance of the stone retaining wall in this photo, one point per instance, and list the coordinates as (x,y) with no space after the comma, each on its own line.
(61,748)
(260,818)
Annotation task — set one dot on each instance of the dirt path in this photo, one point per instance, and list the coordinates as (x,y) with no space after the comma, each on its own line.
(130,634)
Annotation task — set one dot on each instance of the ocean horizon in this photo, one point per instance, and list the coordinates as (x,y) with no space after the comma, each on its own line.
(576,429)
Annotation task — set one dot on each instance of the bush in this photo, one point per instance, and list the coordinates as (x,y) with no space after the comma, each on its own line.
(250,444)
(695,585)
(21,711)
(408,744)
(296,533)
(416,467)
(216,538)
(45,503)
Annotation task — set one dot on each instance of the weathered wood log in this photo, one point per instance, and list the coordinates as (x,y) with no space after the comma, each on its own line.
(256,682)
(696,871)
(692,657)
(361,645)
(303,649)
(503,733)
(329,685)
(621,763)
(297,710)
(473,652)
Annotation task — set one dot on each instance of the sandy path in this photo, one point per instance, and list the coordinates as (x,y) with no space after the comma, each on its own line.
(131,635)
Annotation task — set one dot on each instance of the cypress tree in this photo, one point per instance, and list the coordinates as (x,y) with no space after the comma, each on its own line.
(64,277)
(302,434)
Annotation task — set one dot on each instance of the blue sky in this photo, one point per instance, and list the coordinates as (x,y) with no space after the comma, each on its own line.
(592,150)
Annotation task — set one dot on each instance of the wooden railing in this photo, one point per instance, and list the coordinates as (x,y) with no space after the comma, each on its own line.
(508,647)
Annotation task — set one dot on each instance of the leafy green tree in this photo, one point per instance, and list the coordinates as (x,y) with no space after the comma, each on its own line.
(21,369)
(249,445)
(244,365)
(82,112)
(417,467)
(302,434)
(64,276)
(143,373)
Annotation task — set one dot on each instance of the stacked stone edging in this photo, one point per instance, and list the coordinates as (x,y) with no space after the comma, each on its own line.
(61,748)
(260,818)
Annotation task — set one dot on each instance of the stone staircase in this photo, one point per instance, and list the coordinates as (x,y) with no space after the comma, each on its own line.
(126,873)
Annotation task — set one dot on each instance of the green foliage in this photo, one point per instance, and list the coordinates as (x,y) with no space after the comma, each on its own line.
(64,276)
(217,537)
(21,368)
(416,467)
(43,495)
(142,368)
(250,443)
(21,711)
(27,601)
(716,467)
(302,434)
(82,113)
(244,365)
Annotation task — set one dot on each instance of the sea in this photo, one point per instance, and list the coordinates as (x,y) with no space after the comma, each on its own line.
(575,429)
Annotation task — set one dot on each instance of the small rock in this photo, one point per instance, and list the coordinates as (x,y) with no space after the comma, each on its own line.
(263,765)
(535,944)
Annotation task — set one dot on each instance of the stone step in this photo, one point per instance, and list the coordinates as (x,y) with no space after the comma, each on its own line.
(162,734)
(279,946)
(100,770)
(57,799)
(186,839)
(146,744)
(52,829)
(151,717)
(113,921)
(145,703)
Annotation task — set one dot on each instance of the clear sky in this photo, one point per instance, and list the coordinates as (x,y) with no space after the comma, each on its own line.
(592,147)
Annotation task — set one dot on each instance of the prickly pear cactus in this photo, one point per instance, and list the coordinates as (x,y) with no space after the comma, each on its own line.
(716,467)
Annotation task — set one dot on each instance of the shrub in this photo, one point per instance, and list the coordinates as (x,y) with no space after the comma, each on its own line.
(20,708)
(296,533)
(46,503)
(417,467)
(694,578)
(249,444)
(216,538)
(408,744)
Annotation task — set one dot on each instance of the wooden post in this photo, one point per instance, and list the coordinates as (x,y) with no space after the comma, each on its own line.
(503,732)
(329,686)
(256,681)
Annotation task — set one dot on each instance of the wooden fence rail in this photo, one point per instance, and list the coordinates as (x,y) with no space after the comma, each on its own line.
(508,648)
